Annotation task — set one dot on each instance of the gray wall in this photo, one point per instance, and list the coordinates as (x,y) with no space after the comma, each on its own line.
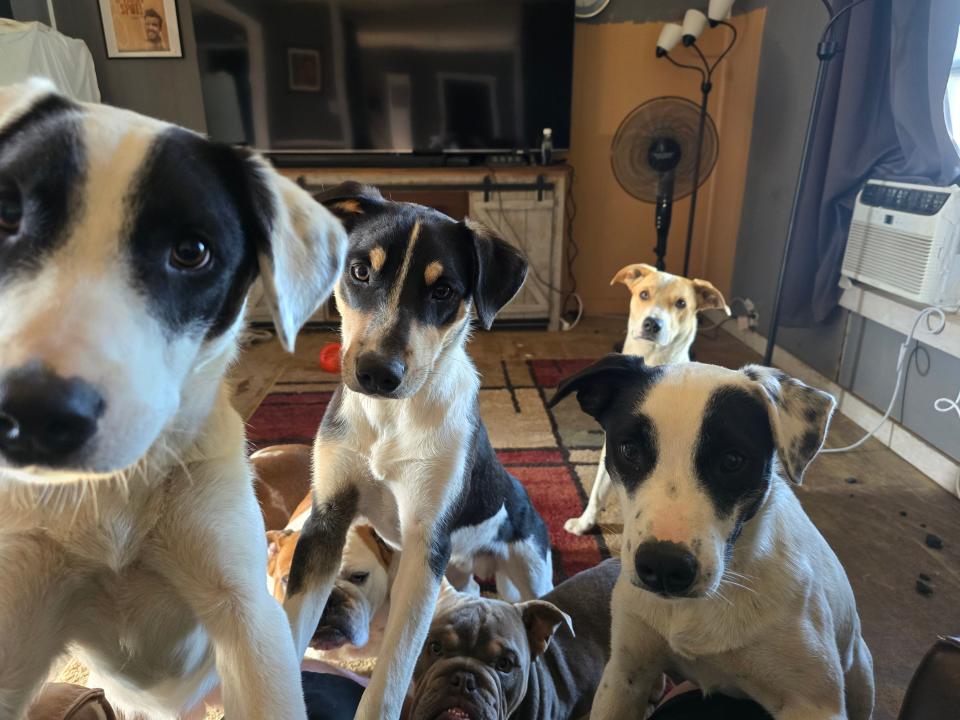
(787,73)
(869,365)
(788,68)
(165,88)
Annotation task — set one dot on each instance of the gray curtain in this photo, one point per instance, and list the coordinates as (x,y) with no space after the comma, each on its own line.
(882,117)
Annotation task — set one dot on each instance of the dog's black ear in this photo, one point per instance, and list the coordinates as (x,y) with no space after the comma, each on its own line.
(499,271)
(799,416)
(542,620)
(598,384)
(301,248)
(352,202)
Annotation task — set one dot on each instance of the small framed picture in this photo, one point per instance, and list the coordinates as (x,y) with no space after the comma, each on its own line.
(141,28)
(303,68)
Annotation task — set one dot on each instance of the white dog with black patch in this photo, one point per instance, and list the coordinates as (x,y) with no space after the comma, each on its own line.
(128,522)
(724,581)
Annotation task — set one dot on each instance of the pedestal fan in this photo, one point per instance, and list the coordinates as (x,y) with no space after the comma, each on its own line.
(653,157)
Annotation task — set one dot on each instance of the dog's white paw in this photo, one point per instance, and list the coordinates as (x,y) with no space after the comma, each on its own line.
(579,525)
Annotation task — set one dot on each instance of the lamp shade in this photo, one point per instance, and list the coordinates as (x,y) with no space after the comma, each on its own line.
(718,10)
(694,23)
(669,38)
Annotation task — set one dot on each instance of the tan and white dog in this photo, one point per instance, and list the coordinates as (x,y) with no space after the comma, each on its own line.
(661,330)
(725,581)
(127,247)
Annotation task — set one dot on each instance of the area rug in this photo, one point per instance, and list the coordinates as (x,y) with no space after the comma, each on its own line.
(554,453)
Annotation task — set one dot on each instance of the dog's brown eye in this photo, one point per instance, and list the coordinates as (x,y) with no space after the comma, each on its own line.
(731,462)
(285,579)
(435,648)
(11,213)
(504,665)
(442,292)
(631,453)
(681,303)
(359,578)
(644,294)
(360,272)
(190,254)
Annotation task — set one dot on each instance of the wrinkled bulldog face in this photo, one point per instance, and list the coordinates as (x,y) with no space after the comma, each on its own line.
(475,663)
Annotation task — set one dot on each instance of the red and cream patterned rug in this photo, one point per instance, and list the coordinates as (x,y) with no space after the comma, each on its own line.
(554,453)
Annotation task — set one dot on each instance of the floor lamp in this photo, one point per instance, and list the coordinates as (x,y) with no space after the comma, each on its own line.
(694,23)
(827,49)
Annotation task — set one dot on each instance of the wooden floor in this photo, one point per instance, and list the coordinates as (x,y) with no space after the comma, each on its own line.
(874,508)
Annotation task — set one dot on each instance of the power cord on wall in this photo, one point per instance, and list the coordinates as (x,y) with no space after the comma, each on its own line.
(924,314)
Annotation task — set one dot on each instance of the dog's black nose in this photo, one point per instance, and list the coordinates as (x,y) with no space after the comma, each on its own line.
(652,326)
(379,375)
(44,418)
(665,567)
(463,681)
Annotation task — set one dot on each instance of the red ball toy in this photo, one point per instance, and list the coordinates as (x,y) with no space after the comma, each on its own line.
(330,358)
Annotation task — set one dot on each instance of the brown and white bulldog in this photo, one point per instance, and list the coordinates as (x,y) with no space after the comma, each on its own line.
(486,659)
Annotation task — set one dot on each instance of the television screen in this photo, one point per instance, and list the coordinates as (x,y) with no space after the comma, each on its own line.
(386,75)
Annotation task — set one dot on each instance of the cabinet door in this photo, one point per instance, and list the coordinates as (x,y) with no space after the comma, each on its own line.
(531,224)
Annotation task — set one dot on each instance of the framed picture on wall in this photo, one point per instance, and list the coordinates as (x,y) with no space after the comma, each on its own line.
(141,28)
(303,69)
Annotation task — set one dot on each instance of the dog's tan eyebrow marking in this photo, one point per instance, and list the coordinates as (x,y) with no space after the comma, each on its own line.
(433,272)
(350,206)
(378,256)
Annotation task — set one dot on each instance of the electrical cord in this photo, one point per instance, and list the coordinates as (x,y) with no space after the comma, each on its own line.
(924,315)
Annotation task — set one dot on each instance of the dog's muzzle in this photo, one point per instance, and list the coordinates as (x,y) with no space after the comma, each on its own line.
(339,625)
(378,374)
(456,690)
(651,328)
(45,419)
(665,568)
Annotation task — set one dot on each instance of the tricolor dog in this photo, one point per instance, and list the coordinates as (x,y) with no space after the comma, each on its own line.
(724,581)
(661,330)
(402,443)
(128,522)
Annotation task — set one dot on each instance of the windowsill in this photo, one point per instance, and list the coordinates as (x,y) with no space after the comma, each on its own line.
(899,314)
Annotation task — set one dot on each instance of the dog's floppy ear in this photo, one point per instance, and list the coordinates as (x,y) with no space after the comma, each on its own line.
(499,271)
(351,202)
(708,297)
(799,416)
(598,384)
(629,274)
(542,619)
(302,249)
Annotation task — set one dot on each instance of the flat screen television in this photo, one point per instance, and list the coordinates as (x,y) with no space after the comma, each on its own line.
(386,76)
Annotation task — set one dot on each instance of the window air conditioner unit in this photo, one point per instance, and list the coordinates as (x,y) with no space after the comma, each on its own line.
(905,239)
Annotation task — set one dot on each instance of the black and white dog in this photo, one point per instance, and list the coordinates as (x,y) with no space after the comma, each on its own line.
(402,442)
(725,580)
(127,247)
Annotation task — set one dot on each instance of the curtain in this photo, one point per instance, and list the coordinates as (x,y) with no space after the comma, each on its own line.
(882,116)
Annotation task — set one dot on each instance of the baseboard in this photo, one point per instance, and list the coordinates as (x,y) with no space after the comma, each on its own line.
(940,468)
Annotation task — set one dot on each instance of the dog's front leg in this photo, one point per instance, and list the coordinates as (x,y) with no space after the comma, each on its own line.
(213,550)
(425,491)
(635,664)
(319,551)
(598,498)
(35,599)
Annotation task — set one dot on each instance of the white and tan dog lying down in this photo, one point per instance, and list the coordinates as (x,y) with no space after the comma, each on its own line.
(661,329)
(127,247)
(725,581)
